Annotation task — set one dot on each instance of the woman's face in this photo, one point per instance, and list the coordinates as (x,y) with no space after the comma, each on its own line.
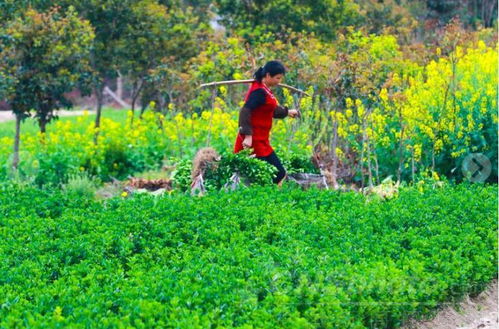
(272,81)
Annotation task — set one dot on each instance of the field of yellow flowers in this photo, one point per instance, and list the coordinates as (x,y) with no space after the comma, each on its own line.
(423,119)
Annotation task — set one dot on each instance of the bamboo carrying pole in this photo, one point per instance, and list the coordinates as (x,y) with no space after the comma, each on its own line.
(235,82)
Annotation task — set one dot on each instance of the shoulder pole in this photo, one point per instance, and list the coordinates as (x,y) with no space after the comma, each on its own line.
(235,82)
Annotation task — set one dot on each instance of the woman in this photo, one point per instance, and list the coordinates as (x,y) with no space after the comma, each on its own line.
(255,117)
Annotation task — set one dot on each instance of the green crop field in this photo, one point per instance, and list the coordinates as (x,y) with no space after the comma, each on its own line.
(8,128)
(260,258)
(248,164)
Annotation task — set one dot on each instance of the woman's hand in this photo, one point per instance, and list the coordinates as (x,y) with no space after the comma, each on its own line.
(294,113)
(248,141)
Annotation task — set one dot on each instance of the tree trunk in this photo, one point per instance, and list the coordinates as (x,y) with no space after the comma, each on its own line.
(43,125)
(433,159)
(401,155)
(376,163)
(142,110)
(361,162)
(170,96)
(119,86)
(333,150)
(15,161)
(413,169)
(491,12)
(369,167)
(162,105)
(137,88)
(43,129)
(99,93)
(132,109)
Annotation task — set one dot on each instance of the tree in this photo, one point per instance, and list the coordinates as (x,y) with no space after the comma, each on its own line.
(397,14)
(7,67)
(109,19)
(470,11)
(156,36)
(10,9)
(45,55)
(322,17)
(202,9)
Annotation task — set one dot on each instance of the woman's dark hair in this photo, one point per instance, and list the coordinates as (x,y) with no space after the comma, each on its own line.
(272,67)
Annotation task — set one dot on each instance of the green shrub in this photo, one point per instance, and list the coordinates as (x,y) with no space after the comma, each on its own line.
(296,163)
(55,168)
(182,175)
(81,185)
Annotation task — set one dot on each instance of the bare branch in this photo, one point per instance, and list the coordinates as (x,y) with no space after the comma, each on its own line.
(115,97)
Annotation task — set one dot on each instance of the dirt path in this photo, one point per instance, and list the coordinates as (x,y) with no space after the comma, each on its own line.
(8,115)
(475,313)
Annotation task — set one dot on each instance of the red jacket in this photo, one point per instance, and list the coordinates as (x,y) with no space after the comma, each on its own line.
(261,123)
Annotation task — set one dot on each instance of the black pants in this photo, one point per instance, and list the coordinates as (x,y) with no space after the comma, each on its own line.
(274,160)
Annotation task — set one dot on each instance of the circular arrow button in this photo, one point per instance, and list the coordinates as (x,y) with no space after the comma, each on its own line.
(476,167)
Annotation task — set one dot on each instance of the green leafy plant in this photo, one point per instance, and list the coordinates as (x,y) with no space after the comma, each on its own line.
(249,169)
(296,163)
(261,257)
(81,185)
(182,175)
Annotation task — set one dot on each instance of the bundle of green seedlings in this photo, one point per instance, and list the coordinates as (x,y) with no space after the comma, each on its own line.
(221,171)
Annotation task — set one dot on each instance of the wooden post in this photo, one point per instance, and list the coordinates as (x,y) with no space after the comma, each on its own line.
(15,161)
(213,97)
